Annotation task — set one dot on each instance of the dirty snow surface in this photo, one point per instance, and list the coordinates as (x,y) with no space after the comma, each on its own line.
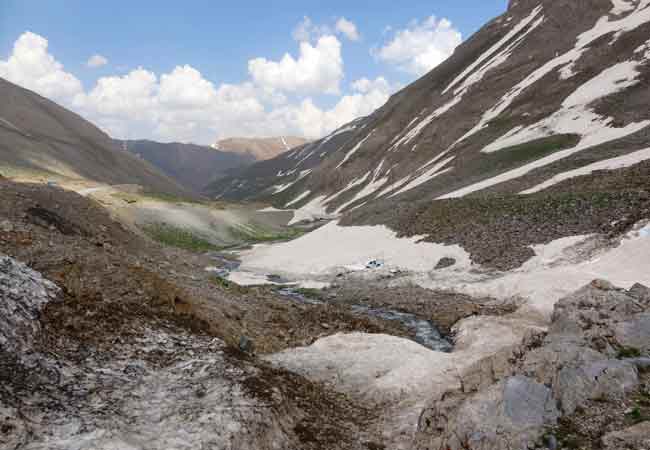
(333,248)
(558,268)
(163,389)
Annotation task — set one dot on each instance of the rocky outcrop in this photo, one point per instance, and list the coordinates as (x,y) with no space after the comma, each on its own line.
(23,294)
(510,399)
(632,438)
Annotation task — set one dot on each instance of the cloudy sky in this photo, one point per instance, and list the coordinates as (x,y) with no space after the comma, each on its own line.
(196,71)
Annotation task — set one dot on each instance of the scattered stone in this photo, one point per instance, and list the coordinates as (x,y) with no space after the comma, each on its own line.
(445,262)
(246,345)
(6,226)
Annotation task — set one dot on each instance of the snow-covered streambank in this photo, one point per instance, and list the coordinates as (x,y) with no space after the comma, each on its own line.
(558,268)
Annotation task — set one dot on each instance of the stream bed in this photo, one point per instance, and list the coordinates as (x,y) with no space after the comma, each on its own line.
(425,332)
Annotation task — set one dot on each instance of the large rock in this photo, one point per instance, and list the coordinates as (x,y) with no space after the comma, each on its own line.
(607,380)
(636,437)
(510,414)
(23,294)
(635,333)
(509,398)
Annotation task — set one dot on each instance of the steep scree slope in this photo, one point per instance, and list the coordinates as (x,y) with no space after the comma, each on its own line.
(37,135)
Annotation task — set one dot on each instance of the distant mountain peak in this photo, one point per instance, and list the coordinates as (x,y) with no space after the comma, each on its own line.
(261,149)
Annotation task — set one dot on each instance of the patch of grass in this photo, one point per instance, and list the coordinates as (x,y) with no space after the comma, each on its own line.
(629,352)
(502,123)
(178,237)
(635,416)
(529,151)
(18,172)
(169,198)
(221,282)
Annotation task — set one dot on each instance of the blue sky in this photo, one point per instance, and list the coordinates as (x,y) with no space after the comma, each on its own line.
(218,39)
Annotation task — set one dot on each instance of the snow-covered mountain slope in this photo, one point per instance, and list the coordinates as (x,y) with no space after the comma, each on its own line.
(275,178)
(549,91)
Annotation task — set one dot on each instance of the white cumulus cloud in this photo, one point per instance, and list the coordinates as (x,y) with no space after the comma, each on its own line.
(421,46)
(348,29)
(31,66)
(182,105)
(318,69)
(96,61)
(307,30)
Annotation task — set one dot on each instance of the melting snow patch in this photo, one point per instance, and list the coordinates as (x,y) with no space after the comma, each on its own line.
(355,149)
(619,162)
(574,118)
(566,61)
(557,270)
(367,190)
(429,175)
(415,131)
(313,210)
(298,199)
(330,247)
(283,187)
(496,58)
(621,6)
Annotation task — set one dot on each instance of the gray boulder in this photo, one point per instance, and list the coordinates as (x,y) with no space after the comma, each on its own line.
(23,295)
(510,414)
(636,437)
(508,400)
(634,333)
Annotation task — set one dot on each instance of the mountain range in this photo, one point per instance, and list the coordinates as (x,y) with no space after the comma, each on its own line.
(538,98)
(259,148)
(193,166)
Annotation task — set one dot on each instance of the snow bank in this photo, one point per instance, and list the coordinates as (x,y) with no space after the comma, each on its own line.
(396,373)
(315,209)
(557,270)
(355,149)
(332,247)
(300,197)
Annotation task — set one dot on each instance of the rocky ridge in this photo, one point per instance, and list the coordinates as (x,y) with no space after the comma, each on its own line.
(596,351)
